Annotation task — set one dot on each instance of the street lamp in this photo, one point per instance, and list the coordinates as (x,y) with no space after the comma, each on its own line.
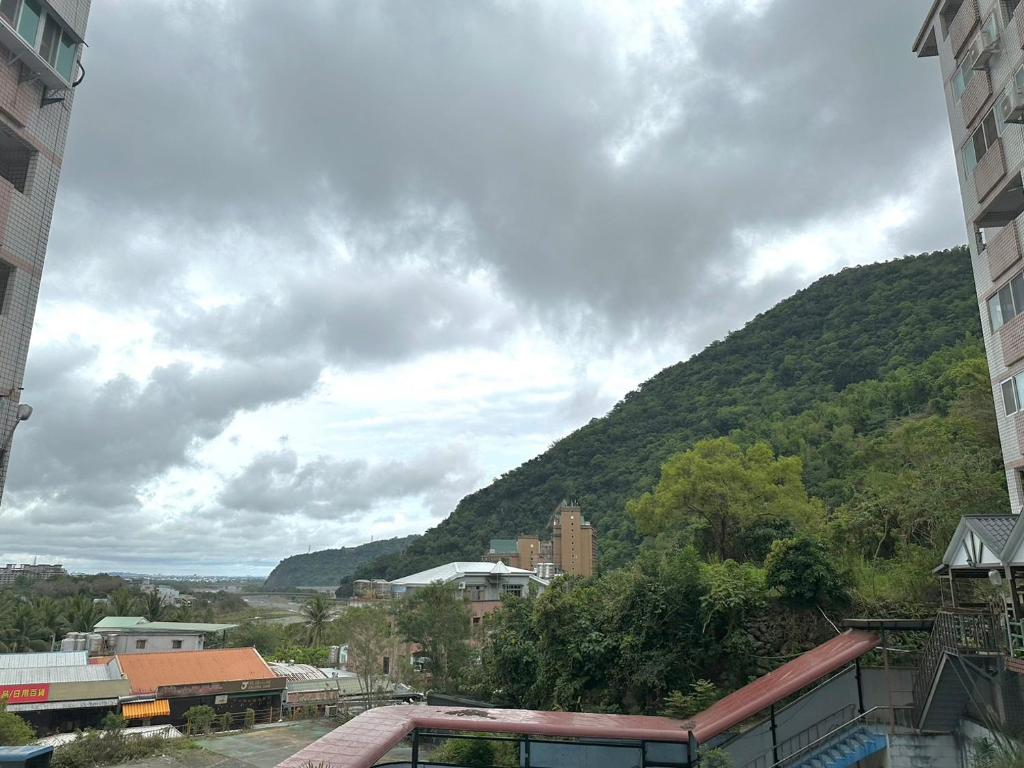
(24,414)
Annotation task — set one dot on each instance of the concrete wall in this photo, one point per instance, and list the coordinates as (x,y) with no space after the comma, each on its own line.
(908,750)
(125,643)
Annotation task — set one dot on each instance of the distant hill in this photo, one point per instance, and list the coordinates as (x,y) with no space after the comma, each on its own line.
(857,325)
(328,567)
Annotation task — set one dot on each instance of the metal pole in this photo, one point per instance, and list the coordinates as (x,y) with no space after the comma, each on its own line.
(775,739)
(888,681)
(415,748)
(860,688)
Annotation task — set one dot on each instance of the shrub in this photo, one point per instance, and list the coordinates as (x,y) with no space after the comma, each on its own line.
(803,573)
(703,693)
(14,731)
(102,748)
(112,722)
(477,753)
(715,758)
(199,719)
(250,719)
(225,721)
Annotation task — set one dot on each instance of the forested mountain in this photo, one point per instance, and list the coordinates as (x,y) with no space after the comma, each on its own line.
(863,324)
(329,567)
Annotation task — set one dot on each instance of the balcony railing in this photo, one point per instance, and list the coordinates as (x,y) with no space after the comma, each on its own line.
(958,634)
(963,25)
(990,169)
(1011,337)
(1004,250)
(974,98)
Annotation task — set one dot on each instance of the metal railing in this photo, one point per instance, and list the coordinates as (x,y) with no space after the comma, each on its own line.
(977,633)
(833,736)
(807,736)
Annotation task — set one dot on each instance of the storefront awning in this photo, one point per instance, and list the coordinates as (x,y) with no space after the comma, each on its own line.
(146,709)
(81,704)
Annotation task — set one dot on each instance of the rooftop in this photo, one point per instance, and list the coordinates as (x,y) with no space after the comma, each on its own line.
(452,571)
(50,659)
(149,671)
(131,624)
(60,673)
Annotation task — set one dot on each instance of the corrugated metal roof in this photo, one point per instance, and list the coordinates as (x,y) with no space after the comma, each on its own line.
(47,659)
(297,671)
(149,671)
(135,624)
(86,673)
(451,571)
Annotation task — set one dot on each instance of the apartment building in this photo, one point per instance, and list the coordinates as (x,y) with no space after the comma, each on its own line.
(40,44)
(573,541)
(12,572)
(980,48)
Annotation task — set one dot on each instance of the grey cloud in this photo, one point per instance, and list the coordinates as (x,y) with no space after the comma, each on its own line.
(480,134)
(276,483)
(98,444)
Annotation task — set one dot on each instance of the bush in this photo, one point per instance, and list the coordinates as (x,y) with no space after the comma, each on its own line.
(225,721)
(250,719)
(477,753)
(803,573)
(112,722)
(703,693)
(14,731)
(715,758)
(101,748)
(199,719)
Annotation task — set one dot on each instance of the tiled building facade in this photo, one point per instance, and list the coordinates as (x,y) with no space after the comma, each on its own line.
(40,44)
(980,48)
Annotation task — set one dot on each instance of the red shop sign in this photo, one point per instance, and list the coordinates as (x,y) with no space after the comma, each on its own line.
(25,694)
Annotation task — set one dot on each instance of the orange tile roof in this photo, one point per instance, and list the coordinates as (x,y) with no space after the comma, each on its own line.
(149,671)
(146,709)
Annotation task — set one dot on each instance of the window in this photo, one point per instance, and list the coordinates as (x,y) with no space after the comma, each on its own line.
(28,24)
(476,620)
(1007,303)
(44,32)
(1012,390)
(6,283)
(516,590)
(175,644)
(983,138)
(140,644)
(964,73)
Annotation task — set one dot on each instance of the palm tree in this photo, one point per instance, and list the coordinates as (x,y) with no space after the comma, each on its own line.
(153,606)
(25,632)
(123,602)
(51,617)
(82,613)
(317,613)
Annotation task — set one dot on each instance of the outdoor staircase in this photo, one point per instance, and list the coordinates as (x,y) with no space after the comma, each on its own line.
(846,749)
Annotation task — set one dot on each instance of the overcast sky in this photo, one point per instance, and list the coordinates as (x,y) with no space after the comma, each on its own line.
(317,270)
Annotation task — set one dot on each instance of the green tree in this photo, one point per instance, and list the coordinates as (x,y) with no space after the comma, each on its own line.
(802,570)
(437,618)
(717,489)
(477,753)
(82,613)
(123,602)
(265,638)
(317,615)
(368,633)
(199,719)
(51,617)
(153,605)
(14,731)
(24,632)
(679,705)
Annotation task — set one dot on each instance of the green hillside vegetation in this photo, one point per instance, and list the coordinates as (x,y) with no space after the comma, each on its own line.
(329,567)
(778,379)
(740,559)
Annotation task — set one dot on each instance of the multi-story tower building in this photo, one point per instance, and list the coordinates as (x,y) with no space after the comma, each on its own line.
(980,47)
(40,43)
(573,541)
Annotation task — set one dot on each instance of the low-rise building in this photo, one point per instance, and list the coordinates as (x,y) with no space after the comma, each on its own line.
(482,584)
(60,691)
(135,634)
(165,685)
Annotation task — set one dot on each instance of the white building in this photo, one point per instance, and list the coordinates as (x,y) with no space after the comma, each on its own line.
(134,634)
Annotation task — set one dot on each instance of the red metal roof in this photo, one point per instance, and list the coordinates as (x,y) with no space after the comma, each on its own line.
(149,671)
(365,739)
(782,682)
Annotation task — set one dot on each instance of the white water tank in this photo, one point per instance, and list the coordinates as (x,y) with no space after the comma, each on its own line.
(81,641)
(67,644)
(95,643)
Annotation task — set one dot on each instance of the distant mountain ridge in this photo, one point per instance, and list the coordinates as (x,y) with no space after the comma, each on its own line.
(857,325)
(329,567)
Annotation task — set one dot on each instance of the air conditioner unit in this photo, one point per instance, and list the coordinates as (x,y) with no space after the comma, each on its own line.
(987,46)
(1012,106)
(462,585)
